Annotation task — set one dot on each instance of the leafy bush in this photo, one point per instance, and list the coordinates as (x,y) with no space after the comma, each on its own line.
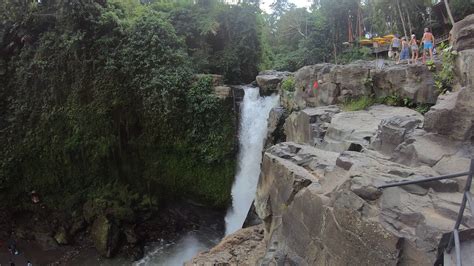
(355,53)
(444,78)
(288,84)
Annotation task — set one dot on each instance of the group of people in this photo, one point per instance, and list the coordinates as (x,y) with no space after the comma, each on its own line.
(401,48)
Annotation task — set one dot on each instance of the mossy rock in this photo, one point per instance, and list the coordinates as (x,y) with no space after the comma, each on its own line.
(105,235)
(94,208)
(61,236)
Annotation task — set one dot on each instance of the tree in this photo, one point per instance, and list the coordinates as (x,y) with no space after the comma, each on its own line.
(450,15)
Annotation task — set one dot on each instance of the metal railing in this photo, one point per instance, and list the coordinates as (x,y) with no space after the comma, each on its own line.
(467,198)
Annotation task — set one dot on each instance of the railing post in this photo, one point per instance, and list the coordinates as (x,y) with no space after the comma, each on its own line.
(467,189)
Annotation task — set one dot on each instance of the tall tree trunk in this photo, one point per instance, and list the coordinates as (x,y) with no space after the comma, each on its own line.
(409,20)
(401,18)
(450,15)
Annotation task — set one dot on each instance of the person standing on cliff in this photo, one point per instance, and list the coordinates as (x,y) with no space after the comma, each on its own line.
(428,44)
(414,49)
(395,47)
(405,51)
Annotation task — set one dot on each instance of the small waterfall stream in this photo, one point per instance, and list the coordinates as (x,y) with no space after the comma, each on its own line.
(253,129)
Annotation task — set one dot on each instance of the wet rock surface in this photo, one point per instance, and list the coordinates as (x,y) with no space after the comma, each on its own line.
(244,247)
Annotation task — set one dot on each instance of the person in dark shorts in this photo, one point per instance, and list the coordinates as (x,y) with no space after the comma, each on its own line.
(395,47)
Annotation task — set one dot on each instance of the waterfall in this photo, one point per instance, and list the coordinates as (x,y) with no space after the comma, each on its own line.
(253,129)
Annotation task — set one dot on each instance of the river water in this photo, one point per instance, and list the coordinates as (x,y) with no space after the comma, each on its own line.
(254,114)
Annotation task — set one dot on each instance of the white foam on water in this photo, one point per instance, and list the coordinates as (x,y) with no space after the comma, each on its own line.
(253,130)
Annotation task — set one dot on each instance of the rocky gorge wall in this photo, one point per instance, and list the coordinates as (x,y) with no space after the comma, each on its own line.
(317,195)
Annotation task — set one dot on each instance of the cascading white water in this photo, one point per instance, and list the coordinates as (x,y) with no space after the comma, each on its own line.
(253,129)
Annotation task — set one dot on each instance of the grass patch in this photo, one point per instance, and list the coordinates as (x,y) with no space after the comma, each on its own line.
(288,84)
(364,102)
(358,104)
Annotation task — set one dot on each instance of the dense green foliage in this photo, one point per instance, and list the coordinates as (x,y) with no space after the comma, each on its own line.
(97,94)
(444,78)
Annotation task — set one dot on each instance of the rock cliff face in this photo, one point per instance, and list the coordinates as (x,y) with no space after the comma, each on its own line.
(337,83)
(317,194)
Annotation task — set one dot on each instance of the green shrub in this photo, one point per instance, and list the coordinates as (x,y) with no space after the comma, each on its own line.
(444,78)
(360,103)
(288,84)
(355,53)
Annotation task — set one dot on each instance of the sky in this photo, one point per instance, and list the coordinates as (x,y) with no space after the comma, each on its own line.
(265,4)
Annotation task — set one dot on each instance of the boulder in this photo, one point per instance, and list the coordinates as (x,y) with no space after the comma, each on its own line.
(105,235)
(275,131)
(356,130)
(453,115)
(304,81)
(462,34)
(244,247)
(464,67)
(332,80)
(454,164)
(425,148)
(353,78)
(393,131)
(310,124)
(268,81)
(415,82)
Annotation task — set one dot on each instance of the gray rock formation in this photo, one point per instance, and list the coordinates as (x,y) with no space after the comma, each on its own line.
(358,129)
(268,81)
(309,125)
(453,115)
(276,120)
(337,83)
(414,82)
(423,148)
(462,32)
(393,131)
(465,67)
(349,221)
